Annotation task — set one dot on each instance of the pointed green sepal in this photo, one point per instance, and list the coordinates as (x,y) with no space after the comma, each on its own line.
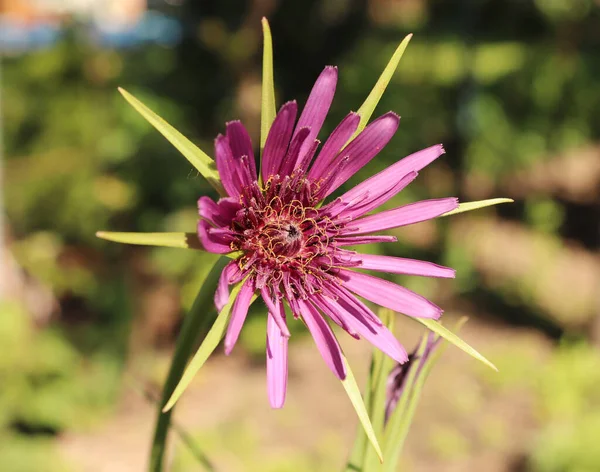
(368,107)
(469,206)
(198,158)
(180,240)
(209,344)
(267,111)
(449,336)
(353,392)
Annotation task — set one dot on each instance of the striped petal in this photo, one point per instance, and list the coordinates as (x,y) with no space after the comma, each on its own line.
(277,354)
(324,339)
(238,315)
(212,240)
(230,275)
(317,106)
(364,147)
(389,295)
(402,216)
(241,144)
(400,265)
(278,139)
(334,144)
(377,334)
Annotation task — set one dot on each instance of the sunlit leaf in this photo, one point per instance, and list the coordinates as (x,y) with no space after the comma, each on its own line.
(193,324)
(178,240)
(449,336)
(368,107)
(211,341)
(469,206)
(198,158)
(267,111)
(361,456)
(353,392)
(181,240)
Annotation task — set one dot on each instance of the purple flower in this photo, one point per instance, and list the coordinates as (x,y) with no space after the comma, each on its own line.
(396,382)
(293,249)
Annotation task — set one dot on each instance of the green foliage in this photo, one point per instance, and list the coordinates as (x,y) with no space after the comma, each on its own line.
(569,407)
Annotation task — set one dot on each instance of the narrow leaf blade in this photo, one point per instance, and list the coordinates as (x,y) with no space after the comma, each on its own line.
(198,158)
(180,240)
(469,206)
(267,112)
(211,341)
(449,336)
(353,392)
(193,323)
(368,107)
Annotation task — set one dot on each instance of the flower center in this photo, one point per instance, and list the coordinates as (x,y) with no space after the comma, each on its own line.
(282,235)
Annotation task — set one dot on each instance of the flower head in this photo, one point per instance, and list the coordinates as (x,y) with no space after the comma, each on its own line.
(292,248)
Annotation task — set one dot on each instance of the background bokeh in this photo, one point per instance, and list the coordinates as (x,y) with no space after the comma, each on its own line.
(87,327)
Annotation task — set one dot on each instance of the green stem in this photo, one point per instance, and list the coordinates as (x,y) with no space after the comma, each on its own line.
(195,322)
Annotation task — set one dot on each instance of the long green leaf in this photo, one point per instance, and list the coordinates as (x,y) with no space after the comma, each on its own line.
(368,107)
(198,158)
(194,323)
(382,364)
(353,392)
(180,240)
(267,111)
(449,336)
(211,341)
(469,206)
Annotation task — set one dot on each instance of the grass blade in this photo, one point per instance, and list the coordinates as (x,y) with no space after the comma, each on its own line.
(209,344)
(469,206)
(180,240)
(353,392)
(267,111)
(449,336)
(368,107)
(198,158)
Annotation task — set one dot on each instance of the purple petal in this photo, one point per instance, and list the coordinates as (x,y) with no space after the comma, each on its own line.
(377,334)
(389,295)
(400,265)
(218,214)
(230,272)
(238,315)
(336,141)
(402,216)
(277,366)
(356,240)
(276,308)
(241,144)
(227,167)
(288,164)
(212,241)
(278,139)
(387,177)
(317,106)
(376,193)
(324,339)
(365,147)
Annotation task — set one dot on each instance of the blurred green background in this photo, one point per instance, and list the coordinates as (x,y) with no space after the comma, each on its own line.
(87,327)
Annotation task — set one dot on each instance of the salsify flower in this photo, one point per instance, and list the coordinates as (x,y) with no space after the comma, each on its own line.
(289,237)
(293,249)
